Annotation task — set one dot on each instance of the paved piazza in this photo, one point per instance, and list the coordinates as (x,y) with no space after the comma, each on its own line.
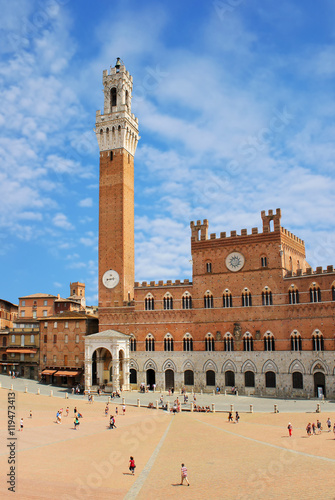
(254,459)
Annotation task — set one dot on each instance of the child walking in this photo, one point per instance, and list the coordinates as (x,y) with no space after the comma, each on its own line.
(184,474)
(132,465)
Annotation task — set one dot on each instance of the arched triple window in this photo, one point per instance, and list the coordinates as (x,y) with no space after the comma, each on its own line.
(228,342)
(264,261)
(168,342)
(318,344)
(132,344)
(315,293)
(246,298)
(187,342)
(248,342)
(150,343)
(227,299)
(187,301)
(149,302)
(208,300)
(293,296)
(209,342)
(266,297)
(269,342)
(296,343)
(168,301)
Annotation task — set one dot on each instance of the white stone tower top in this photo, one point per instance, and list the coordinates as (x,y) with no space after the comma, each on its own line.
(117,127)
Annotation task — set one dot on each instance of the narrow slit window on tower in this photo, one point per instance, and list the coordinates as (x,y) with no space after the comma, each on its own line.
(112,155)
(113,96)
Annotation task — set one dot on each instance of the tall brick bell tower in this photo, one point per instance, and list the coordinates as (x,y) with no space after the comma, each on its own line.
(117,134)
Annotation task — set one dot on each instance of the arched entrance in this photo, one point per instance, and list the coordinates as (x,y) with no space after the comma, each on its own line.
(151,378)
(229,378)
(94,368)
(169,380)
(319,384)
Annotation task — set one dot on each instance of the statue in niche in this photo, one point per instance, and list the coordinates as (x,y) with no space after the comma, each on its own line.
(237,331)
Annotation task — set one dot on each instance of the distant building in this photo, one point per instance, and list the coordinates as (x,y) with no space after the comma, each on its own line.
(62,347)
(23,348)
(8,314)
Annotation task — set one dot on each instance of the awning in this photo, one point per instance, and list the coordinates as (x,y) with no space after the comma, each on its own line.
(23,351)
(48,372)
(66,374)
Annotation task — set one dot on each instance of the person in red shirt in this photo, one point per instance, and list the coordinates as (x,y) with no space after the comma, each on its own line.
(132,465)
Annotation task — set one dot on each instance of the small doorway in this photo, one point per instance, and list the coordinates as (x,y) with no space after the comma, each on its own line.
(319,384)
(151,378)
(169,380)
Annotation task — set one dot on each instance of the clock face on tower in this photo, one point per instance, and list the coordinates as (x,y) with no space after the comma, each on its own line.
(110,279)
(235,261)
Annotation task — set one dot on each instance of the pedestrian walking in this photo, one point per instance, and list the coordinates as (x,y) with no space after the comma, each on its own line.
(123,409)
(21,424)
(75,411)
(132,465)
(31,414)
(106,410)
(319,426)
(237,417)
(290,429)
(67,411)
(309,429)
(184,474)
(112,422)
(76,422)
(116,410)
(329,424)
(313,428)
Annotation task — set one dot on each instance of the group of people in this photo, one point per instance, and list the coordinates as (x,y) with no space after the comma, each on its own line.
(231,418)
(201,408)
(316,428)
(13,374)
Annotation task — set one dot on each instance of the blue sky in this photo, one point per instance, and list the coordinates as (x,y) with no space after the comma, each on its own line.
(235,101)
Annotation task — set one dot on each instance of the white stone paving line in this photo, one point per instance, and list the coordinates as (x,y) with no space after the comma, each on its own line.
(135,489)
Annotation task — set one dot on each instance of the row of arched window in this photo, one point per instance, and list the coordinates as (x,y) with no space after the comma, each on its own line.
(227,298)
(249,378)
(248,342)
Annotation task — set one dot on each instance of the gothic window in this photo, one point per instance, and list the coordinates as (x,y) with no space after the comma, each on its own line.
(132,344)
(149,303)
(229,378)
(113,96)
(208,267)
(249,379)
(228,342)
(187,301)
(188,343)
(269,342)
(210,377)
(296,344)
(149,343)
(246,298)
(248,342)
(264,262)
(318,341)
(208,301)
(267,298)
(333,292)
(315,293)
(209,342)
(133,376)
(293,296)
(227,299)
(168,343)
(270,379)
(168,302)
(188,377)
(297,380)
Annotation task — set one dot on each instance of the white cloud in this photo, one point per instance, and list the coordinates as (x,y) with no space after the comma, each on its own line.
(60,220)
(86,202)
